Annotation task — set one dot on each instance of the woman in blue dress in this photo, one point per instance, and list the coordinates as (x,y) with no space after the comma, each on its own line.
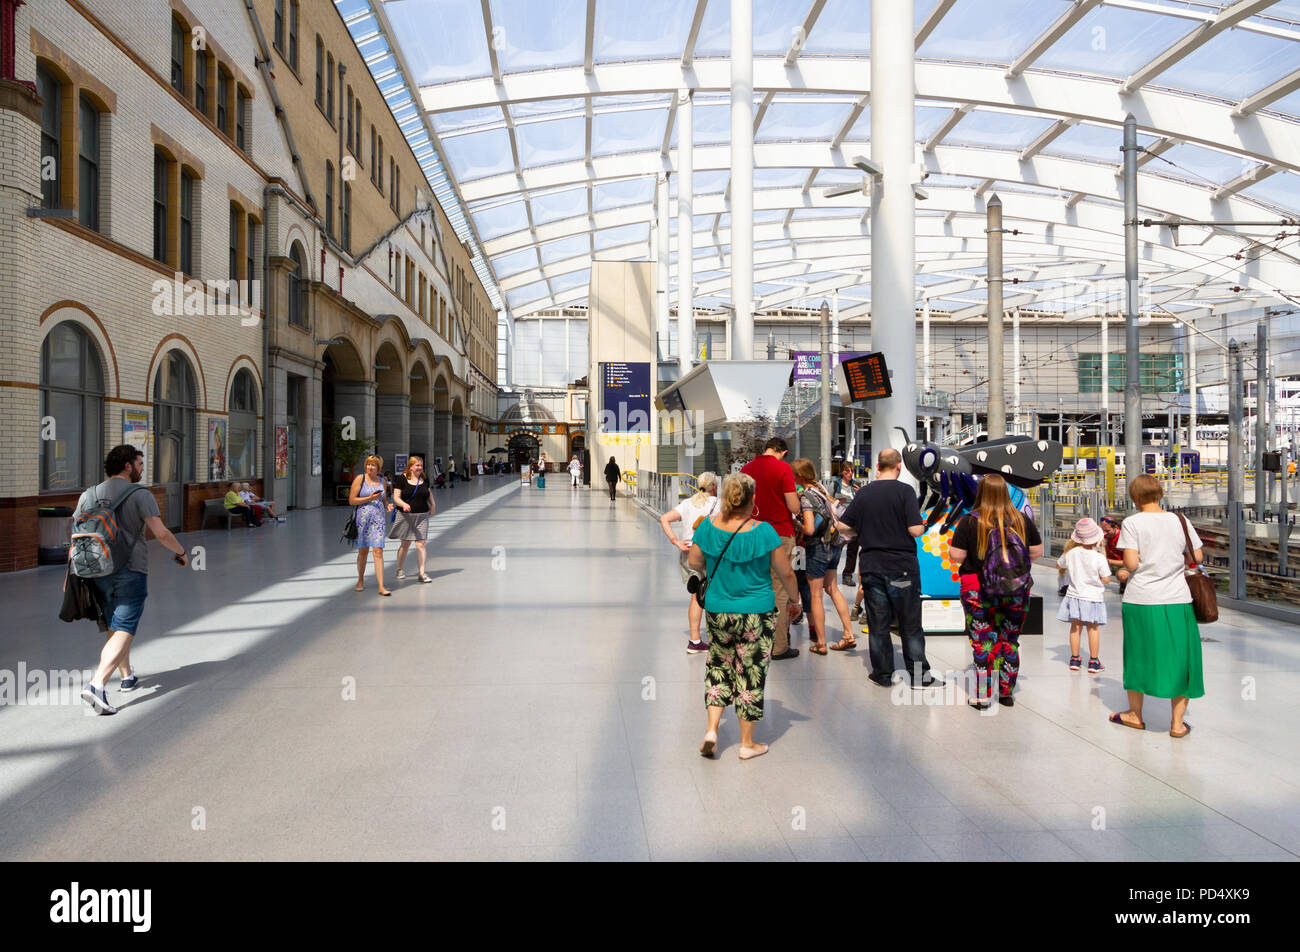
(368,495)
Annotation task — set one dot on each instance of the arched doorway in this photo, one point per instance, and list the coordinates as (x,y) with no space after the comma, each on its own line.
(390,427)
(175,396)
(343,386)
(578,447)
(523,449)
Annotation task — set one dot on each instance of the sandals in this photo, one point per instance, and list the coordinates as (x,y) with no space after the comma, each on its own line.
(1187,729)
(1119,719)
(817,649)
(710,744)
(846,643)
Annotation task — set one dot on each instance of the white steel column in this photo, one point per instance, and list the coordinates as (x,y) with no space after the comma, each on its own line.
(741,340)
(925,344)
(835,328)
(662,255)
(1191,390)
(1105,379)
(893,218)
(1015,366)
(997,405)
(685,232)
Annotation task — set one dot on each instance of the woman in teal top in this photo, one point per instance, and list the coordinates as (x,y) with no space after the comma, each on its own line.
(741,555)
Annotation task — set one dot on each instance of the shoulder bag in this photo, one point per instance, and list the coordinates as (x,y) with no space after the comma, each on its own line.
(1205,602)
(702,583)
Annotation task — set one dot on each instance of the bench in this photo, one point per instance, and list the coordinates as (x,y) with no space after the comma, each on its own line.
(216,509)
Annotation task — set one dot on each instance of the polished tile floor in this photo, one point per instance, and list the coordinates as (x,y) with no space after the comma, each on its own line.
(536,702)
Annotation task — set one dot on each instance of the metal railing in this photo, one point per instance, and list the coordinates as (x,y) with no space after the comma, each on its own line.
(658,491)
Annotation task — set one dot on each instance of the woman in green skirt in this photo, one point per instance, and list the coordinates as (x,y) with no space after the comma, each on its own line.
(1162,645)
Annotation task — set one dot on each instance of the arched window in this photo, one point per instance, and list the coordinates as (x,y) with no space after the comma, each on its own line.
(175,396)
(298,278)
(72,396)
(242,445)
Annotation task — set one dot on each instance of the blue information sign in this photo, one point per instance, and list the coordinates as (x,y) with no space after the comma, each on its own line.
(625,397)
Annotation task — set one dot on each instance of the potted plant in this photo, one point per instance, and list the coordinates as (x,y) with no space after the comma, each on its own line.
(349,452)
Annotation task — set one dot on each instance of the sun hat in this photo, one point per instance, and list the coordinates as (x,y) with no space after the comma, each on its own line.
(1086,532)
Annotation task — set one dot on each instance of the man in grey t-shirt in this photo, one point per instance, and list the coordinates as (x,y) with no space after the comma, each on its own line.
(124,592)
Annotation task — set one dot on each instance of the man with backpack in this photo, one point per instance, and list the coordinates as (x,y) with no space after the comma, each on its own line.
(886,517)
(109,547)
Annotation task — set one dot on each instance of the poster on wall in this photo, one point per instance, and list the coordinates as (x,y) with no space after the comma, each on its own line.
(399,462)
(135,431)
(281,452)
(315,450)
(216,449)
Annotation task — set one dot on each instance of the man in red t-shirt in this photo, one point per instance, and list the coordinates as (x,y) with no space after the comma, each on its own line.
(775,502)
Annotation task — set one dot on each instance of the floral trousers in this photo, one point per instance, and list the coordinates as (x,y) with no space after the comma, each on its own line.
(994,623)
(740,649)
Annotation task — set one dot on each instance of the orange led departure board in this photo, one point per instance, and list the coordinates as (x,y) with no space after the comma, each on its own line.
(866,377)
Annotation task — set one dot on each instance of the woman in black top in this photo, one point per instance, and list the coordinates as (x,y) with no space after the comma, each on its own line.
(414,503)
(612,476)
(996,601)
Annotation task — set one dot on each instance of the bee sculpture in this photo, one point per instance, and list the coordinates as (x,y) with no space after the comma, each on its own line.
(948,475)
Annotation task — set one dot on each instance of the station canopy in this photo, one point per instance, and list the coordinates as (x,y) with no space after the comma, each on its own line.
(543,126)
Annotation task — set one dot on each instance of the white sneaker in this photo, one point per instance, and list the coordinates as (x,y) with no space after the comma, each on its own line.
(401,574)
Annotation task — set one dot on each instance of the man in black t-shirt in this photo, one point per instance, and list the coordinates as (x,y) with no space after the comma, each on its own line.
(887,518)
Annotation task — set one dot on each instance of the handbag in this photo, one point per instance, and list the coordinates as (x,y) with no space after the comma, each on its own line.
(1205,602)
(702,584)
(350,530)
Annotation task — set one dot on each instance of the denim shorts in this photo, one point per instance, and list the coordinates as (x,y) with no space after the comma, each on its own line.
(820,558)
(124,593)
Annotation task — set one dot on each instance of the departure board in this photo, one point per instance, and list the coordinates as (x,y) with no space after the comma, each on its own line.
(865,378)
(625,397)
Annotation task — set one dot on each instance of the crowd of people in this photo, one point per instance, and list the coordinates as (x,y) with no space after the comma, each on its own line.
(761,549)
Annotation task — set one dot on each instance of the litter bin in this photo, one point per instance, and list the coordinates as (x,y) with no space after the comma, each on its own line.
(55,534)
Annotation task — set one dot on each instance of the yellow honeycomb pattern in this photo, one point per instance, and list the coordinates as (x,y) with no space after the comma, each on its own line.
(936,543)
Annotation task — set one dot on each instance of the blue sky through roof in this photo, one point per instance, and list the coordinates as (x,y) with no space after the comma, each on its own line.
(1111,41)
(990,31)
(532,35)
(456,48)
(641,29)
(1233,65)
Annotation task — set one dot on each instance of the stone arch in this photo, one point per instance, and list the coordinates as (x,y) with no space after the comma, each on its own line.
(182,343)
(392,403)
(85,318)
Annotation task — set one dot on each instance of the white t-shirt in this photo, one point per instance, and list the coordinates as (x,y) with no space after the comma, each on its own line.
(1159,540)
(1086,568)
(574,467)
(246,495)
(691,512)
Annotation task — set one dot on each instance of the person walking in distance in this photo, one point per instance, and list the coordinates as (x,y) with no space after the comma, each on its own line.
(995,545)
(887,519)
(776,503)
(823,539)
(612,476)
(575,472)
(123,593)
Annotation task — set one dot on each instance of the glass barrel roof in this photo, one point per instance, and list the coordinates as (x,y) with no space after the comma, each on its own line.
(553,119)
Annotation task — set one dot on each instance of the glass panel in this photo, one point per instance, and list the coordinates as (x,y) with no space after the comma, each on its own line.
(554,206)
(775,22)
(1087,141)
(62,357)
(550,141)
(501,220)
(1111,41)
(633,130)
(998,130)
(618,194)
(1233,65)
(926,121)
(1200,165)
(62,460)
(843,27)
(531,35)
(798,121)
(506,265)
(624,235)
(575,279)
(478,154)
(527,294)
(1282,189)
(780,178)
(466,118)
(642,29)
(548,107)
(241,448)
(702,183)
(564,248)
(456,49)
(990,31)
